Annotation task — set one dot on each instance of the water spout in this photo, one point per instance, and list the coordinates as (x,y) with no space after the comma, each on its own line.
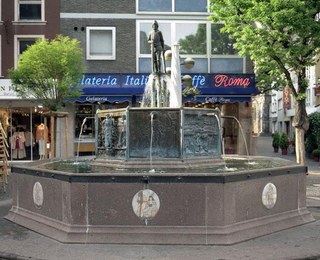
(242,133)
(152,117)
(80,134)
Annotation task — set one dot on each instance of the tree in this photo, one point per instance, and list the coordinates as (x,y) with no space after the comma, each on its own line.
(282,37)
(49,72)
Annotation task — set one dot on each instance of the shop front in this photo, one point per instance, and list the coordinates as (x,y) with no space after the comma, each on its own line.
(22,120)
(230,92)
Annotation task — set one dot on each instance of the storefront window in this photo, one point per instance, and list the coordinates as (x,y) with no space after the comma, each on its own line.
(85,130)
(84,143)
(22,125)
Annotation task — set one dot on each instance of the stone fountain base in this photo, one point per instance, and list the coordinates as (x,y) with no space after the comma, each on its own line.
(159,208)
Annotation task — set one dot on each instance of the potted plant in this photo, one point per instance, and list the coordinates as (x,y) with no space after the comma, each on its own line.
(316,154)
(310,145)
(275,141)
(284,143)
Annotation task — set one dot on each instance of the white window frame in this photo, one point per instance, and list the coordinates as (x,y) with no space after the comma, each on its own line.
(100,57)
(16,45)
(308,97)
(173,24)
(17,12)
(172,9)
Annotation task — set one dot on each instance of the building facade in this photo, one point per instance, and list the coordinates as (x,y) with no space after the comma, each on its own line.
(274,111)
(22,22)
(114,38)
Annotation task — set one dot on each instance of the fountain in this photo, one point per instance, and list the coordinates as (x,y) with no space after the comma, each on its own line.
(159,177)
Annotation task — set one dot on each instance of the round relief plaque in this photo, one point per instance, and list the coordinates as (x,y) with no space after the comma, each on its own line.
(37,194)
(145,204)
(269,195)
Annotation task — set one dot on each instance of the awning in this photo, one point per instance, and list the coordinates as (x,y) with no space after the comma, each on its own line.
(217,99)
(104,99)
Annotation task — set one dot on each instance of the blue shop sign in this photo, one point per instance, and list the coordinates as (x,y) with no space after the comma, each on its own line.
(134,84)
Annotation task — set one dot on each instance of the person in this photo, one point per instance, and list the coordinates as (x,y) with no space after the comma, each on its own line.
(157,47)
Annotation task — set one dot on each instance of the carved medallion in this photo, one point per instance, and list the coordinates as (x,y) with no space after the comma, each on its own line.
(146,204)
(38,194)
(269,195)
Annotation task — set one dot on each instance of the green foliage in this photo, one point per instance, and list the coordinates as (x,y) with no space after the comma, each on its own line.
(190,91)
(280,36)
(313,132)
(49,72)
(284,141)
(275,140)
(316,152)
(311,143)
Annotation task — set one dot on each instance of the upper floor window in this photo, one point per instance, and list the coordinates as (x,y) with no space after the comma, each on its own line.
(308,98)
(101,43)
(212,51)
(22,42)
(220,42)
(172,6)
(30,10)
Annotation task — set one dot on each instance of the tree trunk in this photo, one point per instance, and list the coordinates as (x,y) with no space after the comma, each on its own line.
(301,123)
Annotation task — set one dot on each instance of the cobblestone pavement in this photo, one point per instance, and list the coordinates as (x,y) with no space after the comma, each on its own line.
(296,243)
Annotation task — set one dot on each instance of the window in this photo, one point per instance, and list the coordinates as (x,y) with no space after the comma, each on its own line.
(101,43)
(172,6)
(30,10)
(212,51)
(192,38)
(308,99)
(190,6)
(22,42)
(220,42)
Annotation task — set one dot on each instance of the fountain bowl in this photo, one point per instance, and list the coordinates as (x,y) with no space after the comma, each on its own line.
(197,206)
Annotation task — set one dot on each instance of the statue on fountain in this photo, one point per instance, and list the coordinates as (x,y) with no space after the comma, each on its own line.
(157,48)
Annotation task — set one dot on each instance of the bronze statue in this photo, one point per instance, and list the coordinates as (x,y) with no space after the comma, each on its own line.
(157,48)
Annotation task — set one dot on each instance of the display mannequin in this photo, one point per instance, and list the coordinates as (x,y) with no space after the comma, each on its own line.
(18,144)
(42,138)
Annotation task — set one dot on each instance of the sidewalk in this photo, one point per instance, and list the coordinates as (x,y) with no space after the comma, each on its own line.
(301,242)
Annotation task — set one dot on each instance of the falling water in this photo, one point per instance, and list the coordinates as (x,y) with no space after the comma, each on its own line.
(79,140)
(152,115)
(227,169)
(157,91)
(243,136)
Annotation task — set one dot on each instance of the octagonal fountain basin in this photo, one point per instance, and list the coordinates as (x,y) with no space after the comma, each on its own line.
(79,202)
